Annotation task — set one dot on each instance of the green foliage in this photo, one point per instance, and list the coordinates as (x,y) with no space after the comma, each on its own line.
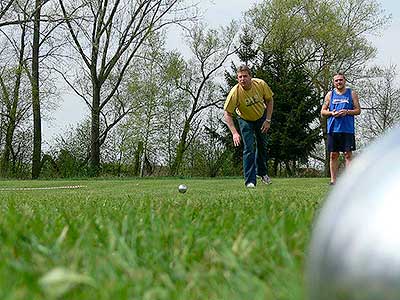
(293,134)
(141,239)
(65,165)
(199,84)
(69,166)
(246,51)
(322,36)
(210,155)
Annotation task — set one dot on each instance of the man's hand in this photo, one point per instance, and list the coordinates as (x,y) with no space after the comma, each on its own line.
(232,128)
(265,126)
(339,113)
(236,139)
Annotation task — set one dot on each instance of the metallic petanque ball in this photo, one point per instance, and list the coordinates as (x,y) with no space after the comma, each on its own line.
(355,245)
(182,188)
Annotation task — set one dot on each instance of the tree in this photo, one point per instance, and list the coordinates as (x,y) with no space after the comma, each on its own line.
(71,150)
(380,100)
(26,63)
(37,119)
(5,6)
(208,154)
(211,49)
(21,154)
(149,90)
(145,134)
(173,109)
(107,35)
(294,135)
(14,106)
(39,38)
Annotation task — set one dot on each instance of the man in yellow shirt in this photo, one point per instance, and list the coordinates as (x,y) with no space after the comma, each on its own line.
(251,100)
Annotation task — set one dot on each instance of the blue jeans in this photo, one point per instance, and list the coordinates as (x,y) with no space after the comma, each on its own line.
(254,149)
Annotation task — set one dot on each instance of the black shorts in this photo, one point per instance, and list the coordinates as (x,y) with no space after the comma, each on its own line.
(341,142)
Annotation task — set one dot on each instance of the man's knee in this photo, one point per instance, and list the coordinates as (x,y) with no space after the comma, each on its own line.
(334,155)
(348,155)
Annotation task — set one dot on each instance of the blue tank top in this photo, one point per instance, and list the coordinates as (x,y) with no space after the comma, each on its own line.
(342,124)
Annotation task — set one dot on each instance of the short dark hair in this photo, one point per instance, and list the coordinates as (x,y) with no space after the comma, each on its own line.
(341,73)
(244,68)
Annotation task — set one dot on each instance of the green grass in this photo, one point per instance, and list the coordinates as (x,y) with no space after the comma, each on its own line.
(141,239)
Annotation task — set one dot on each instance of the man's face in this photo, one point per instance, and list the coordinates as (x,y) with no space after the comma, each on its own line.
(244,80)
(339,81)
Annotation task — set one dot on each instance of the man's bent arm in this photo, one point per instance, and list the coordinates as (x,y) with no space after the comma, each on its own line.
(356,105)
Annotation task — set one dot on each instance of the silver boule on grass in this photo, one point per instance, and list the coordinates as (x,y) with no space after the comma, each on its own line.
(354,252)
(182,188)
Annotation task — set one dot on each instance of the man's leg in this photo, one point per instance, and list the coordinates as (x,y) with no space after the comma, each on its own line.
(349,146)
(348,157)
(249,168)
(334,165)
(261,153)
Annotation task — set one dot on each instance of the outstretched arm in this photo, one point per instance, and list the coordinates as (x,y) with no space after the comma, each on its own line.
(232,128)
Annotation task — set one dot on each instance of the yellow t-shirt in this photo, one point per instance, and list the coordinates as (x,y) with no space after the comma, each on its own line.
(249,104)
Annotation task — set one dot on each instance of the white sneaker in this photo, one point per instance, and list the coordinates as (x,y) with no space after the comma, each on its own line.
(265,179)
(250,185)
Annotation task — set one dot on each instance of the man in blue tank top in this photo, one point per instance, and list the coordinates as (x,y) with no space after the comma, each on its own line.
(340,106)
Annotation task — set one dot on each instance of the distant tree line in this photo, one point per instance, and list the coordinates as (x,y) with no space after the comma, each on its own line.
(158,112)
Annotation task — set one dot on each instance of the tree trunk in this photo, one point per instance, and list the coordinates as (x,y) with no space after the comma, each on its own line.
(138,155)
(180,149)
(289,172)
(325,137)
(5,159)
(12,119)
(95,132)
(275,168)
(37,126)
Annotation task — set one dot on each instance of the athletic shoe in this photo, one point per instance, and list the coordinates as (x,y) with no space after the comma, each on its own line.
(250,185)
(265,179)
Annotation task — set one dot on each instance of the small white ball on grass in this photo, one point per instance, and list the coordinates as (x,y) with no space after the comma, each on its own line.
(182,188)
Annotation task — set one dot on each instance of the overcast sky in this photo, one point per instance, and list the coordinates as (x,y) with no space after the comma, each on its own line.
(221,12)
(389,43)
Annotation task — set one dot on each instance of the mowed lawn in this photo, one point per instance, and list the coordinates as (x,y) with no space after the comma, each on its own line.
(141,239)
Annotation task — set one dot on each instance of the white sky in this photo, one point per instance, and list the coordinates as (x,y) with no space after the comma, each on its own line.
(388,44)
(221,12)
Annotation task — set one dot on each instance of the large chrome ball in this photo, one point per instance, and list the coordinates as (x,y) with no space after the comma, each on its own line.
(355,244)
